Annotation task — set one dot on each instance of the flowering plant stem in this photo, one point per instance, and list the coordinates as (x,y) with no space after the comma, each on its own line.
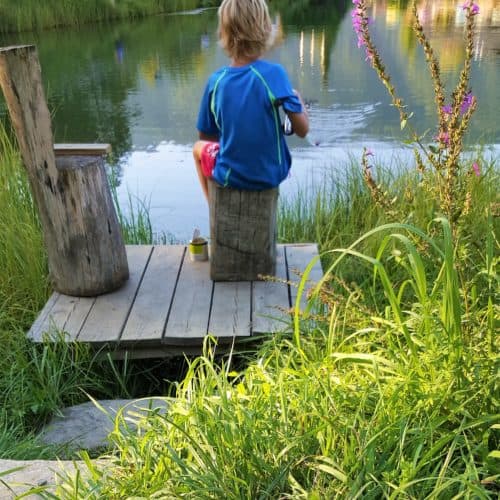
(448,184)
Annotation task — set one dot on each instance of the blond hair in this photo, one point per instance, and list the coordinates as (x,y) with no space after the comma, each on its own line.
(244,28)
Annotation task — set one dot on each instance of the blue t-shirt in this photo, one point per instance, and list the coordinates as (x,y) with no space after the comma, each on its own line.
(240,106)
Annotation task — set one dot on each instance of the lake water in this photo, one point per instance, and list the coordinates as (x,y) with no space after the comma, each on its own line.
(137,86)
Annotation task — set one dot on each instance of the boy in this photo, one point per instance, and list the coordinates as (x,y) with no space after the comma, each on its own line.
(242,143)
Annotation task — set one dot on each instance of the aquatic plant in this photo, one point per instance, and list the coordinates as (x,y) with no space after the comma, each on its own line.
(450,181)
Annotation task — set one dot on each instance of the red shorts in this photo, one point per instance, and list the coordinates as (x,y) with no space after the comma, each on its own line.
(208,157)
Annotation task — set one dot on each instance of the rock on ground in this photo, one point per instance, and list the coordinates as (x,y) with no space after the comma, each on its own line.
(86,426)
(27,474)
(82,427)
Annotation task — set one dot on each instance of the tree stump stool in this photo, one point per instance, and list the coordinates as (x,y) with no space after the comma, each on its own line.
(242,233)
(82,236)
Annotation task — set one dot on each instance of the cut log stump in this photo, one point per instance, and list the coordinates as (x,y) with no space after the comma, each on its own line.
(91,259)
(85,249)
(242,233)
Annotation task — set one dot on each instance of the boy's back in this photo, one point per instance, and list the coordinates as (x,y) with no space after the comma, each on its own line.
(241,140)
(240,105)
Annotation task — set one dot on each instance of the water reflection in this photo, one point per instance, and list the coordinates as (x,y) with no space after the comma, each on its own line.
(138,85)
(444,22)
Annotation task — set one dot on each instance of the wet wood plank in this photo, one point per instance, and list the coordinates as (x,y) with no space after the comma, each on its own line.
(270,298)
(148,316)
(107,318)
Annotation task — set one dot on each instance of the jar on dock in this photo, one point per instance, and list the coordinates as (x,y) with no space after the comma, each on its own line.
(198,249)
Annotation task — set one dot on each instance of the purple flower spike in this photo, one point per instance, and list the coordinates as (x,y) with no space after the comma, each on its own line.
(469,4)
(443,138)
(466,103)
(477,170)
(447,109)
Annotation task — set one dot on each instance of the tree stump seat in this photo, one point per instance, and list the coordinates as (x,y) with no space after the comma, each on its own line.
(85,250)
(242,233)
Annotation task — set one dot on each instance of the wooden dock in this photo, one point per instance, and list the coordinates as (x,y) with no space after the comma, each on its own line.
(169,304)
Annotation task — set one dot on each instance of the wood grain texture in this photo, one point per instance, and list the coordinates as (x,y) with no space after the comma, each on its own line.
(271,300)
(165,286)
(41,325)
(231,312)
(68,315)
(91,256)
(82,237)
(149,313)
(109,314)
(79,309)
(188,319)
(242,233)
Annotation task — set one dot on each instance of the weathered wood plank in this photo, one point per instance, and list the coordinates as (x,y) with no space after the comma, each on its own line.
(298,257)
(107,318)
(188,319)
(71,314)
(82,149)
(67,315)
(231,313)
(268,297)
(171,282)
(42,323)
(149,313)
(61,313)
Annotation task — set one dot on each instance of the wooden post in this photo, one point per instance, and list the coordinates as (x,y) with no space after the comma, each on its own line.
(242,233)
(82,236)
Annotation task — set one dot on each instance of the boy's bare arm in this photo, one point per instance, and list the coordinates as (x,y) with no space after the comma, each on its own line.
(300,121)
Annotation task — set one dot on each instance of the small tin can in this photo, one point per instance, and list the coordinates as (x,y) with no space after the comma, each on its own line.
(198,249)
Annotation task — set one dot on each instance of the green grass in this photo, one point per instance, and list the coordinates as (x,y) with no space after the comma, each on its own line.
(35,15)
(36,381)
(340,209)
(22,288)
(392,399)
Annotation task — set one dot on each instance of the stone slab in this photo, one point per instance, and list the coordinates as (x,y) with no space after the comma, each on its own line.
(87,426)
(28,474)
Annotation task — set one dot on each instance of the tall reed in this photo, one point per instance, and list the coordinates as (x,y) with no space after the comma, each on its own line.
(23,282)
(341,208)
